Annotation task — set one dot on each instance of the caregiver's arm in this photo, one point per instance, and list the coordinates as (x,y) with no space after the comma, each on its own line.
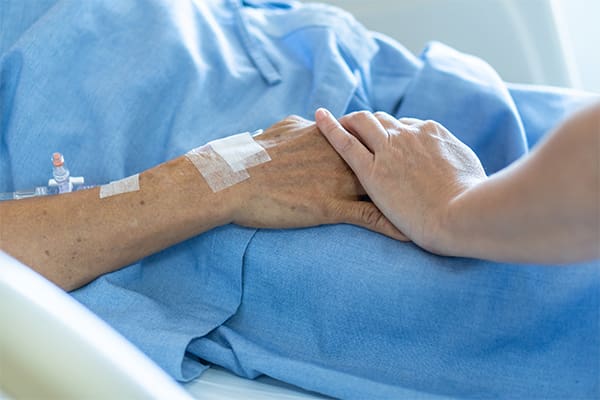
(73,238)
(544,208)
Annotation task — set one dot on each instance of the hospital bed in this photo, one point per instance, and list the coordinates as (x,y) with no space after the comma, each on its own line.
(52,347)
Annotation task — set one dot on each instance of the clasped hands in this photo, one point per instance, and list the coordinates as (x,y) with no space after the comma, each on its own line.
(395,177)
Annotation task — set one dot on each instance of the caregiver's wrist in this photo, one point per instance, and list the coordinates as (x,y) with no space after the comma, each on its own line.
(454,230)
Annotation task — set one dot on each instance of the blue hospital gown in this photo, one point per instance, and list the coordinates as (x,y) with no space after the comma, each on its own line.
(120,86)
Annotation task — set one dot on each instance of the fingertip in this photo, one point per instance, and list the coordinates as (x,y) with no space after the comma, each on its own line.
(321,114)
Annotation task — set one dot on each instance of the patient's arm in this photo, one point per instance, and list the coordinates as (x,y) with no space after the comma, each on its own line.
(545,208)
(73,238)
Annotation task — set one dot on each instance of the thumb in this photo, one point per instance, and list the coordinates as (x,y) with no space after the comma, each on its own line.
(367,215)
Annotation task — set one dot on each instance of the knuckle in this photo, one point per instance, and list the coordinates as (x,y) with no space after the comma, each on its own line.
(363,115)
(352,115)
(409,120)
(360,116)
(429,125)
(386,120)
(381,116)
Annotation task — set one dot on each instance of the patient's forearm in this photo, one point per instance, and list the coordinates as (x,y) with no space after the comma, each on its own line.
(73,238)
(544,208)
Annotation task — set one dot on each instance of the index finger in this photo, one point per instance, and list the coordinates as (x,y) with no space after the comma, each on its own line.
(356,155)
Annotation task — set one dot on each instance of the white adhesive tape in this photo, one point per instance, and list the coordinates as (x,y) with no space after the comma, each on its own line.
(236,149)
(223,162)
(125,185)
(217,173)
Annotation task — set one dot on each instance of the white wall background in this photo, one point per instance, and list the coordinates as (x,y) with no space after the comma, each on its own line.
(554,42)
(581,22)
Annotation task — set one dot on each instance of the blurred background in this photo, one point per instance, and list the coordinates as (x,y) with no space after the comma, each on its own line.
(548,42)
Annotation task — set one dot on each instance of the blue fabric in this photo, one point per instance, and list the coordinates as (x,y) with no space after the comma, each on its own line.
(119,86)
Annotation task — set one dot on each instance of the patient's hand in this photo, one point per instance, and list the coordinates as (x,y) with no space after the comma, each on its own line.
(79,236)
(305,184)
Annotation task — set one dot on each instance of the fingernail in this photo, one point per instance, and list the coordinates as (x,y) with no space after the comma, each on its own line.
(322,113)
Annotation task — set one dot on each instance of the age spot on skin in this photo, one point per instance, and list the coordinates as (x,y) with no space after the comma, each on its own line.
(142,202)
(47,253)
(78,240)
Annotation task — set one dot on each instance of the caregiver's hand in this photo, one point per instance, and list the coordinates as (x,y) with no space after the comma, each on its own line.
(544,208)
(306,183)
(412,169)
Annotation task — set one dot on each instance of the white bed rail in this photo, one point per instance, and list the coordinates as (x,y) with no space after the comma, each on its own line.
(51,347)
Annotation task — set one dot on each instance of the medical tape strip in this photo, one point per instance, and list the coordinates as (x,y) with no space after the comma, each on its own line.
(125,185)
(239,151)
(223,162)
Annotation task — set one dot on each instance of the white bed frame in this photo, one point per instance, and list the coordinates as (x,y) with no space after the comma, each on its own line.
(51,347)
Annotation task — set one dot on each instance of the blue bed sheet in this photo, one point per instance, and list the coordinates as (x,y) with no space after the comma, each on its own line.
(120,86)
